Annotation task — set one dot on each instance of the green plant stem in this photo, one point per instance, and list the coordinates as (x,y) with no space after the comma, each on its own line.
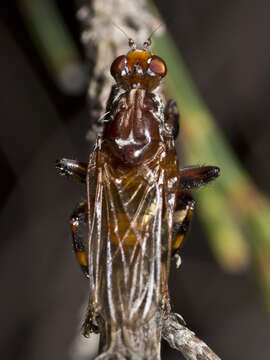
(235,214)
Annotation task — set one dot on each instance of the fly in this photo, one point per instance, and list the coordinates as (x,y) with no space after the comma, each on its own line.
(138,209)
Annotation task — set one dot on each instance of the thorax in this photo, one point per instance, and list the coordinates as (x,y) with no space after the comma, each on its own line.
(134,131)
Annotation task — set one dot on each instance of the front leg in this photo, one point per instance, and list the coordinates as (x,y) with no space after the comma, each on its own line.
(193,176)
(171,119)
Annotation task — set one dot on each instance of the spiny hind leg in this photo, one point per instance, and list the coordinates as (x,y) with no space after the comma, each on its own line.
(79,217)
(182,217)
(189,178)
(92,322)
(184,208)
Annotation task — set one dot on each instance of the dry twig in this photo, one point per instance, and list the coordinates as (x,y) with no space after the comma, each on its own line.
(179,337)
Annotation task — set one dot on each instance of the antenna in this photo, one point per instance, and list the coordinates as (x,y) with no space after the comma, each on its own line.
(131,42)
(148,42)
(152,33)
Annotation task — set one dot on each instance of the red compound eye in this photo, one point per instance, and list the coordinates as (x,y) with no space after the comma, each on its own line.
(118,65)
(158,66)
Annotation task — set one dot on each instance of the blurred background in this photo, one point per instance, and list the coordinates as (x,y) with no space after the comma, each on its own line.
(44,116)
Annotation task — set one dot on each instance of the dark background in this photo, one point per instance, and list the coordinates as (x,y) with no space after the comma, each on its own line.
(226,47)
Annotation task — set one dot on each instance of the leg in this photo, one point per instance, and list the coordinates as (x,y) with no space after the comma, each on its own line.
(93,320)
(172,119)
(78,217)
(182,217)
(195,176)
(75,169)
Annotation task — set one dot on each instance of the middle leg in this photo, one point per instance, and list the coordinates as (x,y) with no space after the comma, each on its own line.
(195,176)
(72,168)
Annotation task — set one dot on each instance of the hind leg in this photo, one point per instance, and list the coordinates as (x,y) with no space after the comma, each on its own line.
(77,170)
(79,217)
(93,320)
(182,217)
(189,178)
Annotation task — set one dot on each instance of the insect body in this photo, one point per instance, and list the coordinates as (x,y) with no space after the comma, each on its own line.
(138,209)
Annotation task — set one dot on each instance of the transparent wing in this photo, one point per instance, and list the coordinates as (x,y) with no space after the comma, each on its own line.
(129,231)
